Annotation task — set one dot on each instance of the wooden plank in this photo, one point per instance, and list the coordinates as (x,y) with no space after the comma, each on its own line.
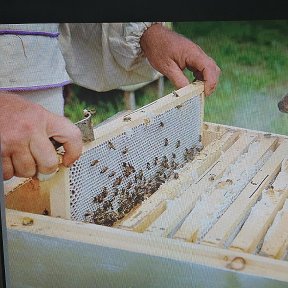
(76,264)
(268,134)
(26,196)
(58,188)
(271,202)
(138,116)
(219,197)
(14,183)
(211,133)
(229,221)
(57,228)
(275,243)
(181,206)
(142,217)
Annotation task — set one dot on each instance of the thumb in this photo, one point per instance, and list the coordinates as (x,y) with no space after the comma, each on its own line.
(176,76)
(65,132)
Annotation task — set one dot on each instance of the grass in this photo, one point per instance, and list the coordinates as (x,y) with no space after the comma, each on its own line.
(253,57)
(254,62)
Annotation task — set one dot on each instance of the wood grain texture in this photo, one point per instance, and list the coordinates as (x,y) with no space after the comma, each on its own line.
(181,206)
(223,192)
(266,208)
(107,237)
(142,217)
(275,243)
(238,210)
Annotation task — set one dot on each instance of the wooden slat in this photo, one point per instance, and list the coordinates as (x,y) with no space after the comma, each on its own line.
(238,210)
(275,243)
(181,206)
(142,217)
(209,208)
(14,183)
(118,126)
(59,193)
(27,197)
(271,202)
(92,234)
(211,133)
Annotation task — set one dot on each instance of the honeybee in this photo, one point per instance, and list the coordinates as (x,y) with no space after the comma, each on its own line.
(106,205)
(98,199)
(128,169)
(176,175)
(104,169)
(111,145)
(155,161)
(175,94)
(140,174)
(129,185)
(104,192)
(94,162)
(45,212)
(125,151)
(88,214)
(117,181)
(165,163)
(146,121)
(112,174)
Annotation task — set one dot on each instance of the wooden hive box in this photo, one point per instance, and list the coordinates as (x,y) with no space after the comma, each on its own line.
(222,222)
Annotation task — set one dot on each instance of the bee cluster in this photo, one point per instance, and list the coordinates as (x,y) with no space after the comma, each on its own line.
(117,175)
(114,203)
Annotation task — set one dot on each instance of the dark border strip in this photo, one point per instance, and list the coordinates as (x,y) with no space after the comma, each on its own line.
(40,87)
(34,33)
(4,264)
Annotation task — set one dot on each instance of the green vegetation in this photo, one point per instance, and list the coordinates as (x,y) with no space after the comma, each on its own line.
(253,57)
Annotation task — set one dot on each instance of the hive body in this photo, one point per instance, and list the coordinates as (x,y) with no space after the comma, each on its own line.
(216,204)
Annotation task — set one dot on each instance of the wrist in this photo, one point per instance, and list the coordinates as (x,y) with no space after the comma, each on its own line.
(150,34)
(133,32)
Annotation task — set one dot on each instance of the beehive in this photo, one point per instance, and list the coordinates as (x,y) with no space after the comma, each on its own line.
(219,219)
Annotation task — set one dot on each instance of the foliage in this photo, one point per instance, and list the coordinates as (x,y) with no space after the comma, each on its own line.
(253,57)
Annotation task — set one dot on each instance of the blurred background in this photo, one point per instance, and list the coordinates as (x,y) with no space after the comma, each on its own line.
(253,57)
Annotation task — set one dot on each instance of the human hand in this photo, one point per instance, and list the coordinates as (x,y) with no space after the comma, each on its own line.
(170,53)
(25,129)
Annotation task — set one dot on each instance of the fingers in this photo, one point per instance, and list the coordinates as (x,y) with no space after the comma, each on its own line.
(65,132)
(211,74)
(73,150)
(23,163)
(25,132)
(176,75)
(44,154)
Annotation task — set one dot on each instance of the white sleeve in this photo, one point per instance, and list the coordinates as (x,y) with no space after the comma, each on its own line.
(105,56)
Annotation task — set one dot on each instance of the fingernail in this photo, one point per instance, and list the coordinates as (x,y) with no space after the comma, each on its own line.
(44,177)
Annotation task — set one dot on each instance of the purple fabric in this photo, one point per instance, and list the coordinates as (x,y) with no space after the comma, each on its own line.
(41,87)
(21,32)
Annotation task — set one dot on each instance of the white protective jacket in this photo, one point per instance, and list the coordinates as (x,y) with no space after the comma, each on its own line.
(37,60)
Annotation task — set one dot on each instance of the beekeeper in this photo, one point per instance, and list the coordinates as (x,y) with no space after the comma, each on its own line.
(38,60)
